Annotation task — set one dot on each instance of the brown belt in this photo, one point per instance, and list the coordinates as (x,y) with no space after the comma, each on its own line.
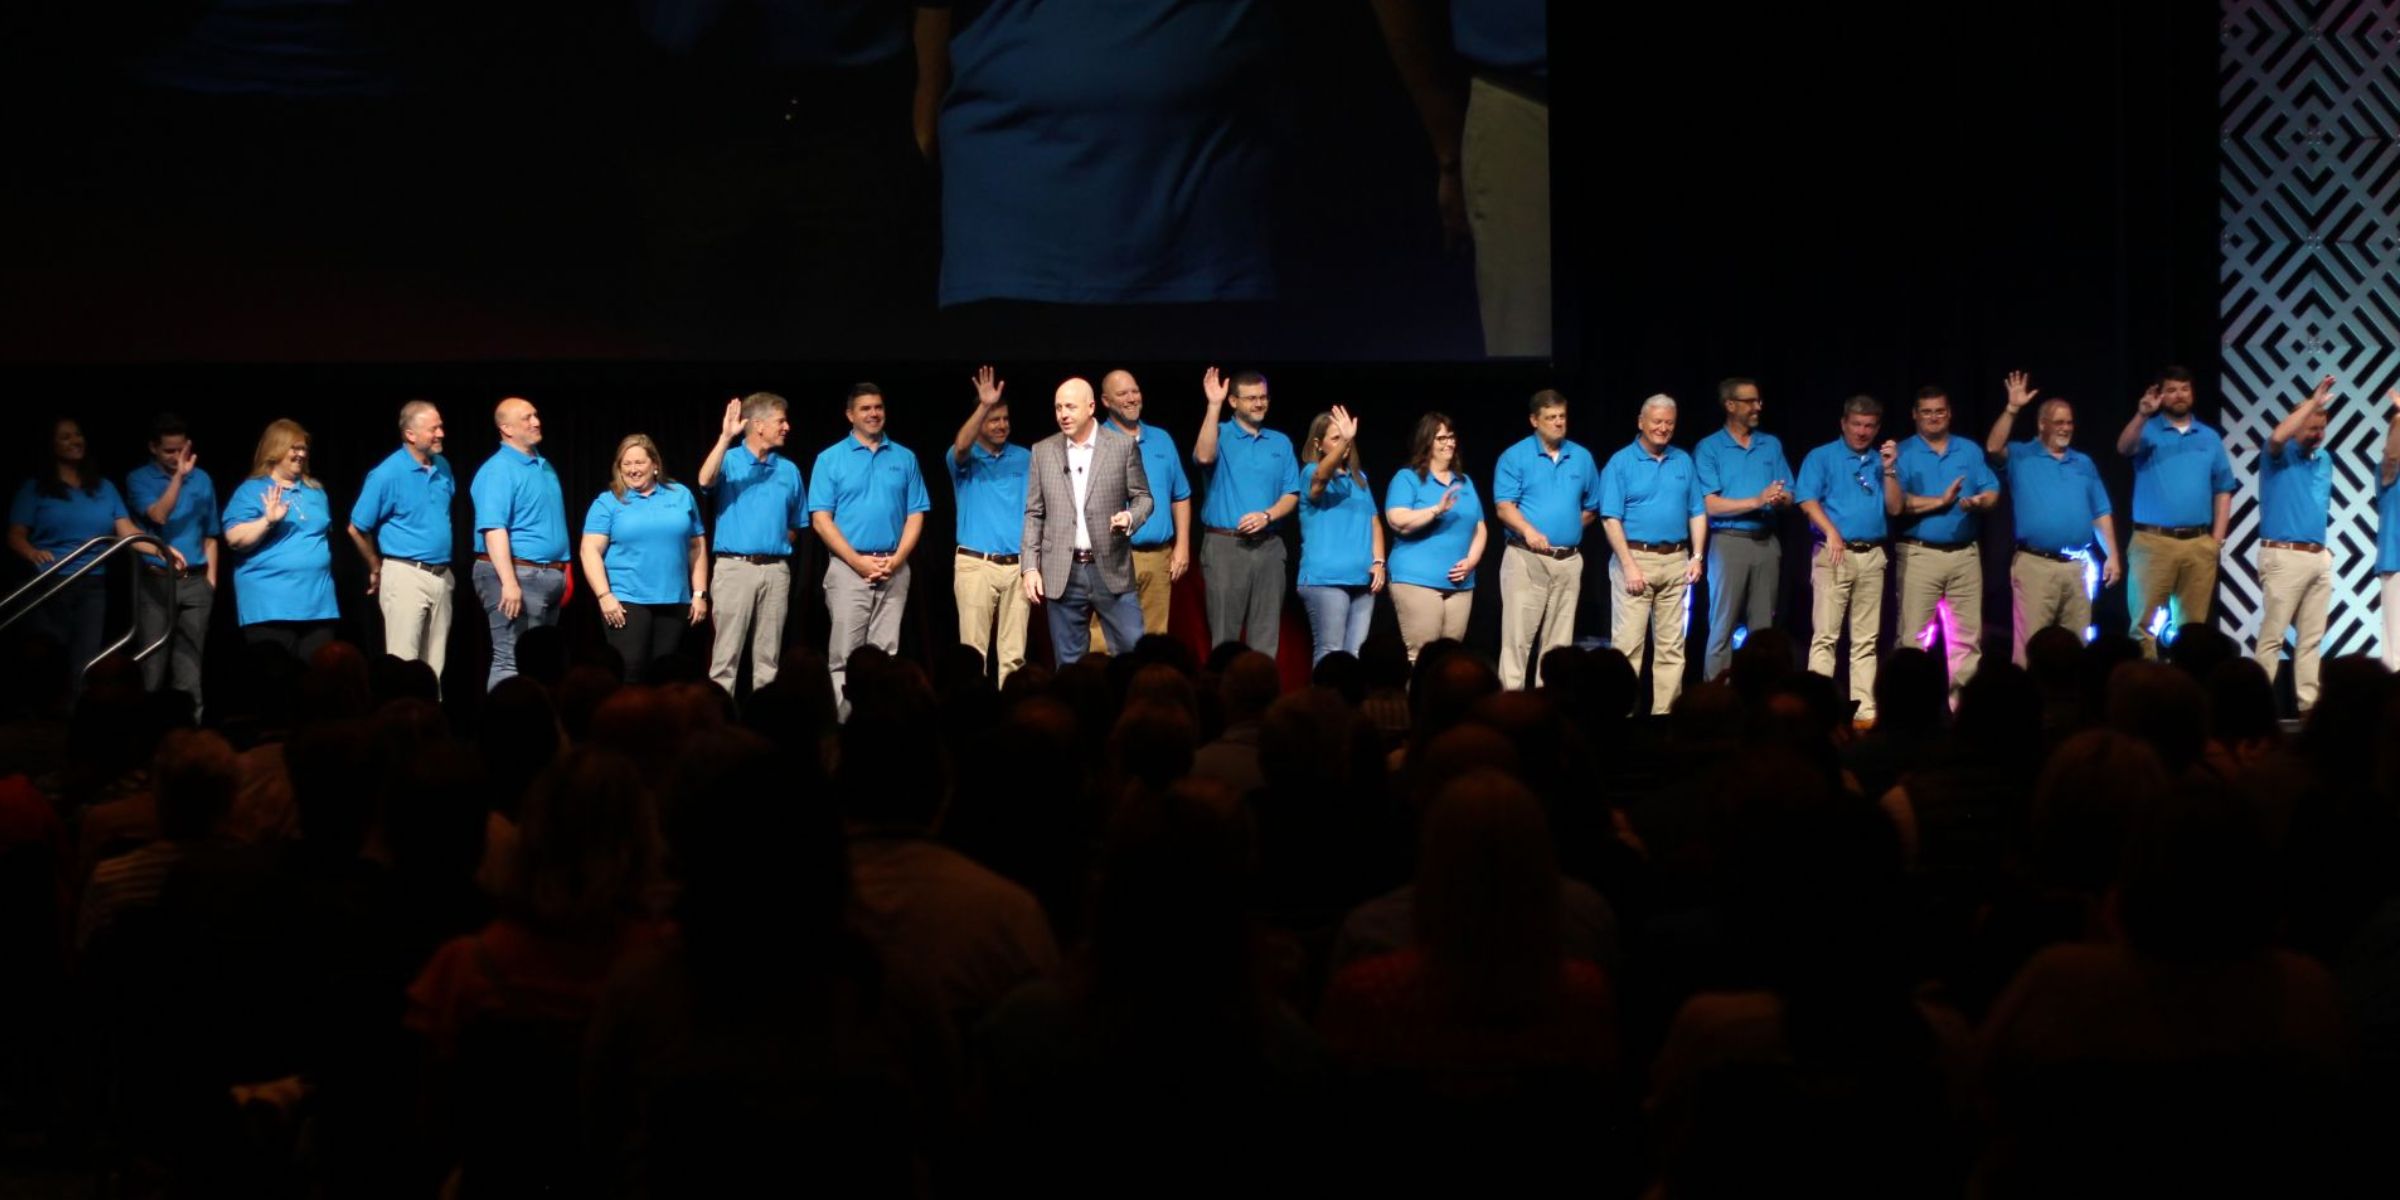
(525,562)
(998,560)
(1560,552)
(1659,547)
(434,569)
(1238,535)
(1922,544)
(2179,532)
(2303,547)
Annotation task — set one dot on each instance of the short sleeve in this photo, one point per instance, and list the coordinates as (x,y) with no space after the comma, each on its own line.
(142,492)
(1591,490)
(116,501)
(1696,505)
(1705,474)
(601,516)
(1291,476)
(918,501)
(691,509)
(1784,462)
(1179,486)
(1393,496)
(2096,492)
(2220,472)
(820,489)
(1612,493)
(1508,480)
(1986,480)
(210,526)
(248,503)
(368,511)
(490,493)
(21,505)
(1812,479)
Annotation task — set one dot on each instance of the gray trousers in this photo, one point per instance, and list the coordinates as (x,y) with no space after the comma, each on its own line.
(863,615)
(1743,577)
(747,600)
(1244,583)
(176,664)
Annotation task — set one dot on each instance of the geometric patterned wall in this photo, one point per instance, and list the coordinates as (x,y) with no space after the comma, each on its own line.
(2309,188)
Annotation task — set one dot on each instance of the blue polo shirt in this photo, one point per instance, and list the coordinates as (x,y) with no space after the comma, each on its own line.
(1337,533)
(405,507)
(2295,493)
(2055,499)
(991,497)
(1168,484)
(287,575)
(1725,469)
(1848,484)
(1551,494)
(1424,558)
(649,554)
(759,501)
(869,490)
(1252,472)
(2176,476)
(518,494)
(59,524)
(1655,498)
(190,523)
(2387,527)
(1923,472)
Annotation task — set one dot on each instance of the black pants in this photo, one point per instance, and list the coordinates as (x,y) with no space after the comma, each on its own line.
(74,618)
(302,638)
(651,631)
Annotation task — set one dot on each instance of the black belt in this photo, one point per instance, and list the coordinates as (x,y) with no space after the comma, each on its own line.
(2053,555)
(1755,535)
(1004,560)
(1861,547)
(2178,532)
(1659,547)
(1943,546)
(764,560)
(1561,552)
(1238,535)
(439,569)
(1087,556)
(170,570)
(524,562)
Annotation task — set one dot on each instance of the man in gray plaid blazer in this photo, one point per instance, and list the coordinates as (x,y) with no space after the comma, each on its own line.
(1084,496)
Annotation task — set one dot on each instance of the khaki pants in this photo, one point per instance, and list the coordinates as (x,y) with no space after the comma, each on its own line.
(1655,619)
(747,600)
(2045,592)
(1505,170)
(2159,568)
(1151,587)
(986,590)
(1537,608)
(1428,614)
(416,613)
(1927,576)
(1849,593)
(2298,588)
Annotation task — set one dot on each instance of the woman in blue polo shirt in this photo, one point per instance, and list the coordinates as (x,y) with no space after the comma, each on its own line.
(1341,541)
(64,505)
(645,553)
(278,524)
(1437,517)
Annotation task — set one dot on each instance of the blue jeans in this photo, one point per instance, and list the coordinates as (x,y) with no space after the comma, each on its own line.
(542,591)
(1071,616)
(1337,618)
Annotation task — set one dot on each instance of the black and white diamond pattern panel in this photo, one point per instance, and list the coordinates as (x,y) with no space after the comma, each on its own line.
(2309,98)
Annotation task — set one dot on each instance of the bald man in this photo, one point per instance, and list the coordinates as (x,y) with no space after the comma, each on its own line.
(1085,494)
(1162,545)
(520,535)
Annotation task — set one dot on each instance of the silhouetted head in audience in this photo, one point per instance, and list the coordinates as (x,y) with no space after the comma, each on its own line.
(1706,714)
(579,695)
(334,686)
(1447,691)
(2163,706)
(1339,673)
(193,777)
(2080,803)
(1384,660)
(2101,658)
(434,818)
(1561,672)
(519,735)
(542,654)
(643,725)
(1551,754)
(113,735)
(2241,710)
(676,666)
(1487,907)
(1766,658)
(2200,649)
(892,774)
(1164,685)
(1221,656)
(2054,654)
(764,873)
(404,728)
(1024,683)
(860,670)
(393,678)
(267,684)
(1455,752)
(587,849)
(1247,685)
(598,656)
(2351,691)
(1310,742)
(1808,716)
(1614,686)
(2198,877)
(331,765)
(1158,649)
(2000,717)
(1152,745)
(958,666)
(1172,948)
(800,708)
(1912,695)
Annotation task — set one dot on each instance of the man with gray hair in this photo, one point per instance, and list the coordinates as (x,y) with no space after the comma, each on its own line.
(402,521)
(1657,530)
(757,496)
(1841,490)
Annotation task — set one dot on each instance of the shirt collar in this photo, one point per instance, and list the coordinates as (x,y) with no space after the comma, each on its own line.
(879,443)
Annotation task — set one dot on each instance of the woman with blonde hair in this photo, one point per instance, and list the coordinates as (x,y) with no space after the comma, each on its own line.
(1341,538)
(278,525)
(645,553)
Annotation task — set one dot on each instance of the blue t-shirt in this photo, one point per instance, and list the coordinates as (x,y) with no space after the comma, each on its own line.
(1424,558)
(1552,494)
(649,554)
(758,502)
(1507,35)
(1168,484)
(869,491)
(1252,472)
(2176,476)
(991,497)
(189,524)
(1654,498)
(518,494)
(2295,493)
(1725,470)
(1848,484)
(1926,473)
(2055,499)
(405,507)
(287,575)
(58,524)
(2387,526)
(1337,533)
(1108,153)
